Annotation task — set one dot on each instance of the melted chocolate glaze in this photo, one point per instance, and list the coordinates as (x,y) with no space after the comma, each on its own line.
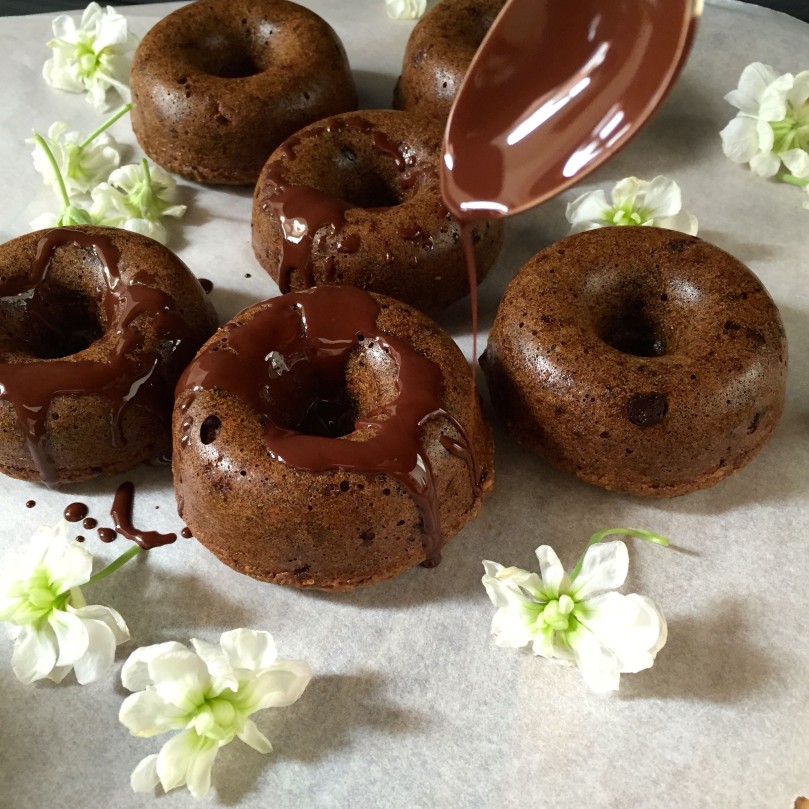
(76,511)
(30,503)
(304,211)
(186,533)
(290,358)
(89,523)
(126,377)
(121,513)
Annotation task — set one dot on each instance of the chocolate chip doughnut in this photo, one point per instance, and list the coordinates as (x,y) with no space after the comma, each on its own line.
(355,200)
(218,84)
(638,359)
(329,438)
(438,54)
(96,325)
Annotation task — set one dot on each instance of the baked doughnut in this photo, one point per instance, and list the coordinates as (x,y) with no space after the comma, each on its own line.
(96,325)
(218,84)
(329,438)
(355,200)
(638,359)
(438,54)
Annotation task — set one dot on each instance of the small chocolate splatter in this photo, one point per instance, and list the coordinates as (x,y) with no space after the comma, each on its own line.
(75,512)
(89,523)
(186,533)
(206,285)
(79,538)
(647,409)
(106,534)
(30,503)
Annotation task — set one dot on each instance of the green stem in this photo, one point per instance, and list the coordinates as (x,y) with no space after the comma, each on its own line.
(42,143)
(793,180)
(598,536)
(113,566)
(147,174)
(106,125)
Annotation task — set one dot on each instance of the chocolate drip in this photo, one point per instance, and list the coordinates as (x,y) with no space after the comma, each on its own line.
(304,211)
(127,376)
(121,513)
(207,285)
(89,523)
(290,359)
(76,511)
(107,535)
(30,503)
(186,533)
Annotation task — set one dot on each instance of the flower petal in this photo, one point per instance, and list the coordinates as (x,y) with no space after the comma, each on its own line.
(249,649)
(598,666)
(754,80)
(773,105)
(587,209)
(740,140)
(629,626)
(180,678)
(604,567)
(198,776)
(72,636)
(177,756)
(100,653)
(251,735)
(135,674)
(662,196)
(34,654)
(218,664)
(765,164)
(683,222)
(797,161)
(108,616)
(551,570)
(144,777)
(147,714)
(280,685)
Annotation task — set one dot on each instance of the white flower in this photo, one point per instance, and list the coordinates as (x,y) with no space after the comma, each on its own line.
(772,126)
(634,202)
(54,629)
(577,619)
(405,9)
(136,198)
(209,694)
(92,58)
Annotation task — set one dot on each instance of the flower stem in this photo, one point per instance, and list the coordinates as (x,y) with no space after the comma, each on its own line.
(793,180)
(42,143)
(106,125)
(598,536)
(113,566)
(147,174)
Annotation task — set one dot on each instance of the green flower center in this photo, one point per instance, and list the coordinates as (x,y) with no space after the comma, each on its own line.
(219,717)
(87,57)
(793,131)
(39,599)
(627,215)
(558,613)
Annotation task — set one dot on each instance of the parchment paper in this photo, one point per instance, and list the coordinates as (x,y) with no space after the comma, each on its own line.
(411,704)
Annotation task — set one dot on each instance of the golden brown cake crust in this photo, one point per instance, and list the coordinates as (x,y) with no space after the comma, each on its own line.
(438,54)
(336,529)
(365,186)
(638,359)
(218,84)
(96,324)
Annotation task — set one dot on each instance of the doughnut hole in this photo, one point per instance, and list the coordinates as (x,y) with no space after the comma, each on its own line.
(54,322)
(228,54)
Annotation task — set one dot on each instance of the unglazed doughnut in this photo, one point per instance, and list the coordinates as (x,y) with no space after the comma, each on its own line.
(329,438)
(218,84)
(638,359)
(96,325)
(438,54)
(355,200)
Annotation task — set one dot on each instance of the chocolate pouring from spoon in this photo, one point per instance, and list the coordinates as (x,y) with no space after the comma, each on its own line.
(554,90)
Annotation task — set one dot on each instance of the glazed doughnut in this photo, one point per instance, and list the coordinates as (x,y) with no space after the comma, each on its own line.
(218,84)
(329,438)
(355,200)
(96,325)
(438,54)
(638,359)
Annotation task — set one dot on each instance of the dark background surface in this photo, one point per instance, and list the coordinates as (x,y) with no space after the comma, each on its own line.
(798,8)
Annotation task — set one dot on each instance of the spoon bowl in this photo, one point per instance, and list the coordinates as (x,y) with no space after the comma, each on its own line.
(554,90)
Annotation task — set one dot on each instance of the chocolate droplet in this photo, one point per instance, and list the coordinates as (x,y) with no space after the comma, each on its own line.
(75,512)
(647,409)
